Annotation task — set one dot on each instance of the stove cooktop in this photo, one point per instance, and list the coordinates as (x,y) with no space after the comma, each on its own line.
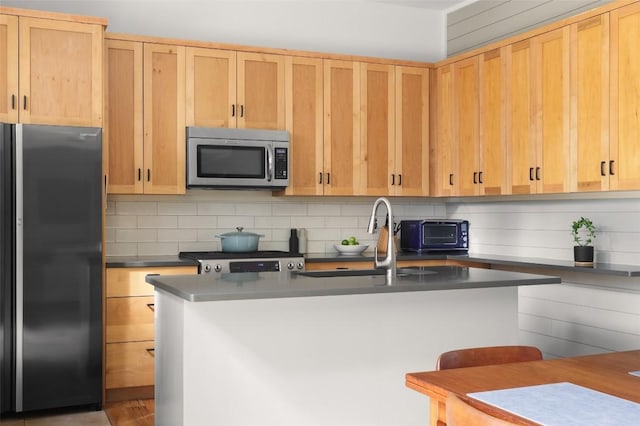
(261,254)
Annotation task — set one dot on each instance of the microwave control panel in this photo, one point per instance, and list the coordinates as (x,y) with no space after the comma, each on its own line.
(281,164)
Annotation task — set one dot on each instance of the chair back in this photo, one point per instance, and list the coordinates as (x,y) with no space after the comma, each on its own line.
(460,412)
(474,357)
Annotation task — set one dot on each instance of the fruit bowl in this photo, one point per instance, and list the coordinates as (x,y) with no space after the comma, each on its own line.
(350,249)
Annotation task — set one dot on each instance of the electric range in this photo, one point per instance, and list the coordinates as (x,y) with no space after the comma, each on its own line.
(258,261)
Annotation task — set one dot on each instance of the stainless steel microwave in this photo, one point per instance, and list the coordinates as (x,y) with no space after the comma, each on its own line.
(237,158)
(434,235)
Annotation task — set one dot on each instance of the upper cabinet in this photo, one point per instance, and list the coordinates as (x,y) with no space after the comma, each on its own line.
(519,123)
(590,106)
(8,69)
(553,160)
(145,125)
(211,87)
(466,129)
(304,106)
(235,89)
(444,165)
(164,119)
(624,164)
(341,128)
(491,178)
(59,66)
(411,176)
(377,130)
(123,130)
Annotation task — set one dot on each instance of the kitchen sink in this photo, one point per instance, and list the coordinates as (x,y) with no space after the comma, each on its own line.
(334,273)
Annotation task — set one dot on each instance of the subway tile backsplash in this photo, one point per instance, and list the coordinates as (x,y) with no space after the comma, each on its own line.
(165,225)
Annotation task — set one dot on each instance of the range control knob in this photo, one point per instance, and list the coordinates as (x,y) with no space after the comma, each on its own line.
(218,268)
(300,265)
(206,268)
(290,266)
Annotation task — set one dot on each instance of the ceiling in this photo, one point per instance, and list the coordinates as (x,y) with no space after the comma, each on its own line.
(440,5)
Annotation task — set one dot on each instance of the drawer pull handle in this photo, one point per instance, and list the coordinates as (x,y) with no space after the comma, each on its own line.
(151,306)
(151,351)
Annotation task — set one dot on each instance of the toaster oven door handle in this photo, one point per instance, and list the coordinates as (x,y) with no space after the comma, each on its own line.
(269,163)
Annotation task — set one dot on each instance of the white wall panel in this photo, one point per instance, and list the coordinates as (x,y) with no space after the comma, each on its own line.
(487,21)
(588,313)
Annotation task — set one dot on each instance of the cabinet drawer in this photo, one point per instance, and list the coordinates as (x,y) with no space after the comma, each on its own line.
(129,364)
(130,281)
(129,319)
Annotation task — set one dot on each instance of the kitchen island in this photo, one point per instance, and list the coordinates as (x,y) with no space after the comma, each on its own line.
(293,349)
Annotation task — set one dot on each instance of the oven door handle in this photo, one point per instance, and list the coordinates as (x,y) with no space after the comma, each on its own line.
(269,163)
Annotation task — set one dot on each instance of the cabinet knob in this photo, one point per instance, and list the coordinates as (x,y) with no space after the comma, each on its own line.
(611,168)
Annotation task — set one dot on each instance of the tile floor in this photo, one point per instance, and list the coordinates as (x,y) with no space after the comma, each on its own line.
(93,418)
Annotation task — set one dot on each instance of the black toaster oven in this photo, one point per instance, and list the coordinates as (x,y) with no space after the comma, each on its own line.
(434,235)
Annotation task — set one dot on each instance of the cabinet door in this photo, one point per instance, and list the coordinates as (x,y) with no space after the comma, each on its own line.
(8,69)
(625,102)
(261,91)
(164,118)
(211,87)
(412,131)
(60,72)
(123,116)
(342,127)
(129,319)
(304,94)
(377,131)
(445,181)
(552,111)
(590,110)
(466,124)
(519,119)
(492,174)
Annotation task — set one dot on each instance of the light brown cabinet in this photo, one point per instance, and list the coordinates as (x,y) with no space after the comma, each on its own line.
(9,69)
(377,130)
(444,171)
(491,178)
(552,166)
(411,173)
(466,129)
(341,128)
(235,89)
(129,330)
(145,109)
(624,170)
(519,121)
(304,118)
(590,110)
(58,65)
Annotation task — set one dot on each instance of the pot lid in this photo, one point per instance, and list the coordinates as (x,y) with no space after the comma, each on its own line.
(240,233)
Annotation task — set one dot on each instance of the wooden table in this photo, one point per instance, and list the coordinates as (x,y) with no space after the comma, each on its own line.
(608,373)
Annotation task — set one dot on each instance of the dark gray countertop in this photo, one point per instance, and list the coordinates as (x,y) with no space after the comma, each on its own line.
(525,262)
(269,285)
(147,261)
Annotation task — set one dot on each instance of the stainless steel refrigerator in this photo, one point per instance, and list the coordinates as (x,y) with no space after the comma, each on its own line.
(50,267)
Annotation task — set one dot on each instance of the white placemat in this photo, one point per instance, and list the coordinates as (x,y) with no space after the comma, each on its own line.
(564,404)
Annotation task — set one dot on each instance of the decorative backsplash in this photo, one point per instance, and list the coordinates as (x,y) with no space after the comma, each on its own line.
(165,225)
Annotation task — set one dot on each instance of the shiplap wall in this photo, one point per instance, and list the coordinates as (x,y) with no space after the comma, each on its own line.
(588,313)
(486,21)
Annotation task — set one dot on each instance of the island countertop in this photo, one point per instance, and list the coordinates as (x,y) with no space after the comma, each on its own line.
(268,285)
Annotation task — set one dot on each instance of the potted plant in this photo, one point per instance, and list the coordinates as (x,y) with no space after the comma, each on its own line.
(583,232)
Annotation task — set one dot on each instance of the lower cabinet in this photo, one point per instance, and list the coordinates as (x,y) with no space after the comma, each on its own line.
(358,264)
(129,331)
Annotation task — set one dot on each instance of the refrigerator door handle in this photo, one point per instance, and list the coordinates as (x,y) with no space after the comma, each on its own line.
(19,269)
